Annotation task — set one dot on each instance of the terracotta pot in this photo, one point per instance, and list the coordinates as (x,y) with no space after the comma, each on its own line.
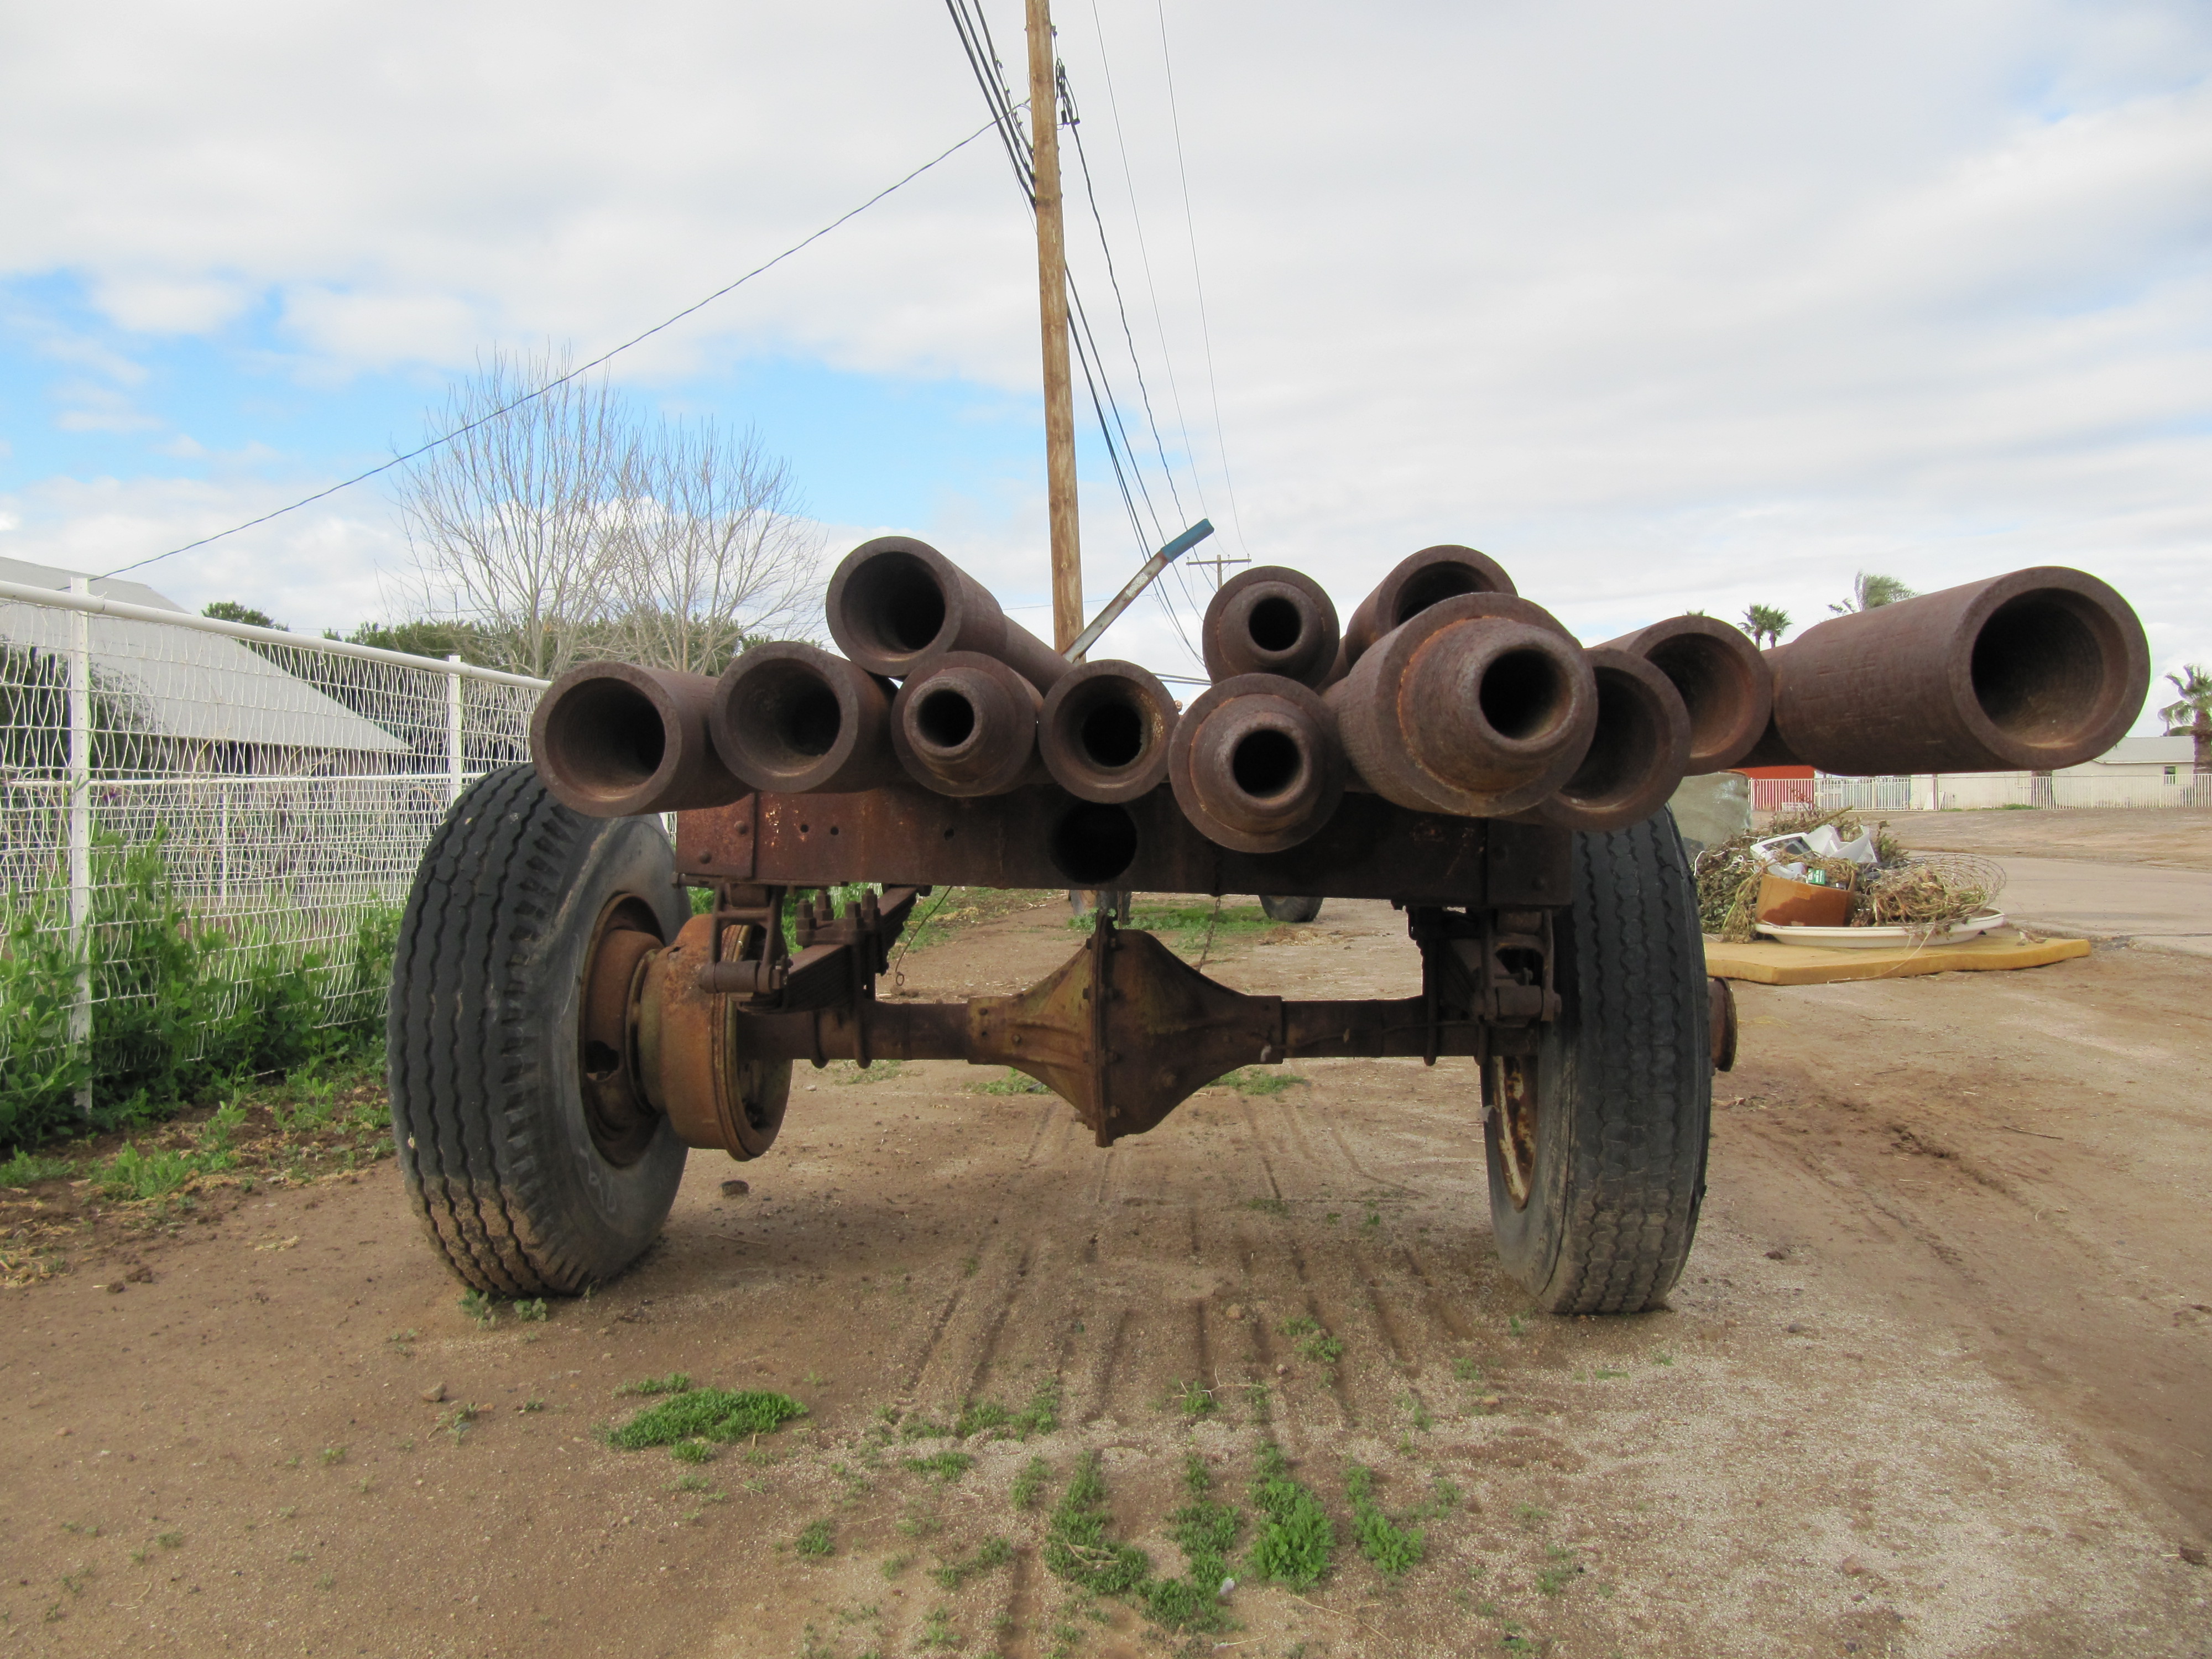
(1801,904)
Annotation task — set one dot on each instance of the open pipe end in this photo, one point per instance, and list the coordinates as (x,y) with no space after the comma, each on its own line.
(612,739)
(893,602)
(791,718)
(967,726)
(1103,731)
(1271,620)
(2058,671)
(1257,763)
(1416,583)
(1723,682)
(1495,709)
(1638,748)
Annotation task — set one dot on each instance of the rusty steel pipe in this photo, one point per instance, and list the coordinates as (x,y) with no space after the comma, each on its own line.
(1638,749)
(2038,670)
(898,607)
(1271,620)
(1416,582)
(1482,705)
(613,740)
(1103,731)
(967,726)
(794,719)
(1723,682)
(1257,763)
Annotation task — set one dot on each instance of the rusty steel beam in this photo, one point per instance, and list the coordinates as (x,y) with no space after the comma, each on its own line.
(902,834)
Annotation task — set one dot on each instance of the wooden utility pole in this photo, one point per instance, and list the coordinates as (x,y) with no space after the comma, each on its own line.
(1052,307)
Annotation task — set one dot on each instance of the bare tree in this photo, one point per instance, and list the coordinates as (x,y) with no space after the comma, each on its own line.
(710,549)
(507,521)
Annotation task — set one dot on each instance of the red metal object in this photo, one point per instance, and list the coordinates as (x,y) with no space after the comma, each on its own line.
(1638,749)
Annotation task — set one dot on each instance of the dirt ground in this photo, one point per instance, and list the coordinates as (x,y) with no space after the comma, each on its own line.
(1937,1383)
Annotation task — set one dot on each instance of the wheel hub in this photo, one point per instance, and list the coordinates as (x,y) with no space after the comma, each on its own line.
(622,1120)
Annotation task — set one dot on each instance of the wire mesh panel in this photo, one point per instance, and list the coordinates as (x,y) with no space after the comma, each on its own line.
(208,830)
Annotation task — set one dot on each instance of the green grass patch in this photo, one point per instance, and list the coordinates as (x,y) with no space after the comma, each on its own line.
(1030,1482)
(27,1170)
(1296,1538)
(706,1414)
(816,1541)
(674,1382)
(1261,1080)
(1310,1340)
(994,1553)
(1396,1551)
(946,1465)
(1078,1547)
(1014,1083)
(1267,1206)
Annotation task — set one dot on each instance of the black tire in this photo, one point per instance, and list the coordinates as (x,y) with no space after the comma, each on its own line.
(514,1188)
(1287,907)
(1611,1165)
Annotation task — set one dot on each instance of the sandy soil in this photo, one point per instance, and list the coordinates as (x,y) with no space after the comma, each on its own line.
(1936,1383)
(2180,838)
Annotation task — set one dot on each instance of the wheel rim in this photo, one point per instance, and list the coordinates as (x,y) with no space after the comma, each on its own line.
(621,1121)
(1513,1095)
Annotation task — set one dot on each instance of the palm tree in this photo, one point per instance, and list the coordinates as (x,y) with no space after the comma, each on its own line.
(2191,717)
(1871,592)
(1766,623)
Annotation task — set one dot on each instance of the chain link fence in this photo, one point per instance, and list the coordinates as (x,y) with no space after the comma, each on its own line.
(2092,785)
(205,825)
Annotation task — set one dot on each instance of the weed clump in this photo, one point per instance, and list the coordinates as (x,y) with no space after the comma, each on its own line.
(1077,1546)
(706,1414)
(815,1541)
(946,1465)
(1298,1538)
(1394,1550)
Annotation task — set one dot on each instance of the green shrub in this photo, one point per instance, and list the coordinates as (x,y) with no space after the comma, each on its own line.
(1390,1547)
(182,1003)
(1298,1538)
(706,1414)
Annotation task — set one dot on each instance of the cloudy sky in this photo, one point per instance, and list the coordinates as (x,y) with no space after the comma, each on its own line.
(1665,307)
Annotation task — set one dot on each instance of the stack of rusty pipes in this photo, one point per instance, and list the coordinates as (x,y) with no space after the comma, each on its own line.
(1437,749)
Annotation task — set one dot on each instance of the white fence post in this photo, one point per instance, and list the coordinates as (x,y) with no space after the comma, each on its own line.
(80,833)
(453,731)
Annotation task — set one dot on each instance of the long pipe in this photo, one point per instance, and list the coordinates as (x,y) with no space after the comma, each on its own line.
(1481,705)
(1638,749)
(897,606)
(1257,763)
(793,718)
(2038,670)
(1103,731)
(612,739)
(1725,686)
(1271,620)
(967,726)
(1416,582)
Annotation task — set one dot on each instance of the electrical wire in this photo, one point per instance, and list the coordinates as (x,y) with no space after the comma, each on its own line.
(559,381)
(1205,333)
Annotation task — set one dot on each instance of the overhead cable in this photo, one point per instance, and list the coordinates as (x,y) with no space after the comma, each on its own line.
(562,379)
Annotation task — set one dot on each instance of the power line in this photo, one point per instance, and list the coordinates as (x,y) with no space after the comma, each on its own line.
(1205,332)
(559,381)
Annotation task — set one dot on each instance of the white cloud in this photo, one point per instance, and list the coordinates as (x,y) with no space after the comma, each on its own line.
(1664,306)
